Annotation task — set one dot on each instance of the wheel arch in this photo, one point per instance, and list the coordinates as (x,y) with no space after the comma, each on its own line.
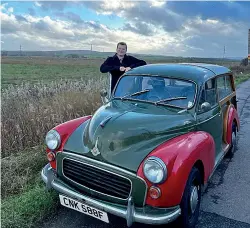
(231,117)
(65,130)
(200,166)
(194,149)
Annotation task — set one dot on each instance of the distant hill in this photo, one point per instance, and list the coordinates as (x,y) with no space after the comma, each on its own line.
(62,53)
(97,54)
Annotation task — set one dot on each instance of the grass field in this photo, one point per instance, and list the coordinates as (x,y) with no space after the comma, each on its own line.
(17,70)
(37,94)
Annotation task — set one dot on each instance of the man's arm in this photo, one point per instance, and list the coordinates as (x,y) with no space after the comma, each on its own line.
(136,62)
(108,66)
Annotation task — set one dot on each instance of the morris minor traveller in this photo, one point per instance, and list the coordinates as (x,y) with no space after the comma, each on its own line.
(149,151)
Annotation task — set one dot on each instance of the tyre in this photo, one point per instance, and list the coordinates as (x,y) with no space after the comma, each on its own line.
(233,145)
(190,203)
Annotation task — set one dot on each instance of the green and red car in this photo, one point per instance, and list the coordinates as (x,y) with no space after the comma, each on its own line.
(148,152)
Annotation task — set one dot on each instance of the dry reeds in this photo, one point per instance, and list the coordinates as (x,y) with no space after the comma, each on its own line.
(30,110)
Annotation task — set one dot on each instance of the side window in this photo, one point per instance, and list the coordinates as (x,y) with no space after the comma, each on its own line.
(208,94)
(224,86)
(229,87)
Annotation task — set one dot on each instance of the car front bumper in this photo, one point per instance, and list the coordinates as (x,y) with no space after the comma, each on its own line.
(146,215)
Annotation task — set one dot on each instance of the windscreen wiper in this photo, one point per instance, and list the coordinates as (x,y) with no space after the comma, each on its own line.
(136,93)
(169,99)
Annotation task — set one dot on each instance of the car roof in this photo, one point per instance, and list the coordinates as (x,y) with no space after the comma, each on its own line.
(197,72)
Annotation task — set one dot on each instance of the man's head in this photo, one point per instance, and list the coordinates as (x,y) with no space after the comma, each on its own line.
(121,49)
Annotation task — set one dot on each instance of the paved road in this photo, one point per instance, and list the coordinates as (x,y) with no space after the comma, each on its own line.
(226,202)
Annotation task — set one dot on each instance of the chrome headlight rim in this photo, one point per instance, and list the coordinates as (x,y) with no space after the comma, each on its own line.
(57,137)
(159,162)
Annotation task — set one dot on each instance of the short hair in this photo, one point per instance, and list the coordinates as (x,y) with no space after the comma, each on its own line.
(122,43)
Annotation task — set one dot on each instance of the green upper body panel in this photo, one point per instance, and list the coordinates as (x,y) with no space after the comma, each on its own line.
(133,131)
(196,72)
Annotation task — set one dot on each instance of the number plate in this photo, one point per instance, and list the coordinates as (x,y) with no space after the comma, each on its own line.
(83,208)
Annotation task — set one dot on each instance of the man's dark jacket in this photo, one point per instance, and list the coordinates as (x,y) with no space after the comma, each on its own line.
(113,64)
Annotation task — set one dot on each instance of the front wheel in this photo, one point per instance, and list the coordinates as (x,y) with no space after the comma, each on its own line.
(190,203)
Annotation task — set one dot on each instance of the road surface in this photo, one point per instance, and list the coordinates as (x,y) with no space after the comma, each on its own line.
(226,201)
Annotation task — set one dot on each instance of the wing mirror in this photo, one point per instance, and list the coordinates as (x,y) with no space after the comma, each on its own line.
(104,93)
(205,106)
(104,96)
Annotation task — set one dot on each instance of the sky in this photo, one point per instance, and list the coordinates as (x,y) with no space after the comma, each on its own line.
(173,28)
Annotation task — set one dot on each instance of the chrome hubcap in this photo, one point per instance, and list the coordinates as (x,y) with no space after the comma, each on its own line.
(194,198)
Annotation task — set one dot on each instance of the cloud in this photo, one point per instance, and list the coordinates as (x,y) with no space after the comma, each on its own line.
(153,13)
(139,28)
(224,10)
(10,10)
(8,23)
(213,35)
(32,12)
(69,16)
(3,6)
(53,5)
(38,4)
(21,18)
(156,3)
(154,27)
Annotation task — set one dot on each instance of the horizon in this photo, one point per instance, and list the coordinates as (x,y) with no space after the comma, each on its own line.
(148,54)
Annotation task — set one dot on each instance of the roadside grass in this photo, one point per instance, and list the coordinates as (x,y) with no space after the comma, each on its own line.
(241,78)
(20,170)
(26,209)
(24,197)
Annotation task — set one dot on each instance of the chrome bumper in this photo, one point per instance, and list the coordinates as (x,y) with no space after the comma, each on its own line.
(131,213)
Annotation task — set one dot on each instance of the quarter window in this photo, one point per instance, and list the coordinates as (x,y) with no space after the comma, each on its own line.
(224,86)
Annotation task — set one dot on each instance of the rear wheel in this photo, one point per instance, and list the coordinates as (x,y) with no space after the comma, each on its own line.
(233,140)
(190,204)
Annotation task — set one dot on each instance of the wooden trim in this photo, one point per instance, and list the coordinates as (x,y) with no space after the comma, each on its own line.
(227,99)
(232,81)
(225,121)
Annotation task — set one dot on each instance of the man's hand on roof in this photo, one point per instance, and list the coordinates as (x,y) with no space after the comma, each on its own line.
(122,68)
(127,69)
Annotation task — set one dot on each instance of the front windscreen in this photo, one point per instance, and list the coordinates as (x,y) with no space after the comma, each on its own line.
(156,89)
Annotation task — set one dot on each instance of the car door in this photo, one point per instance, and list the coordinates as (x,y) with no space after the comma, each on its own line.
(209,115)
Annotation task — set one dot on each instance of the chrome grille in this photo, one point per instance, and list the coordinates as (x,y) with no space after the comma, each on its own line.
(97,179)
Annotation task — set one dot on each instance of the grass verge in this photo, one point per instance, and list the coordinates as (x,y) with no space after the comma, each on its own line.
(25,200)
(241,78)
(26,209)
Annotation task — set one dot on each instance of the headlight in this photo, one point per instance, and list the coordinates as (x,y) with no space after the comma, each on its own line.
(53,139)
(155,170)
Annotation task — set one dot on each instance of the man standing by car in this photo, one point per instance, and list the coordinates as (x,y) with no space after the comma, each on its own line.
(120,63)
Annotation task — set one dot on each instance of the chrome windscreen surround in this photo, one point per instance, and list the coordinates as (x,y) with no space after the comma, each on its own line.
(94,187)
